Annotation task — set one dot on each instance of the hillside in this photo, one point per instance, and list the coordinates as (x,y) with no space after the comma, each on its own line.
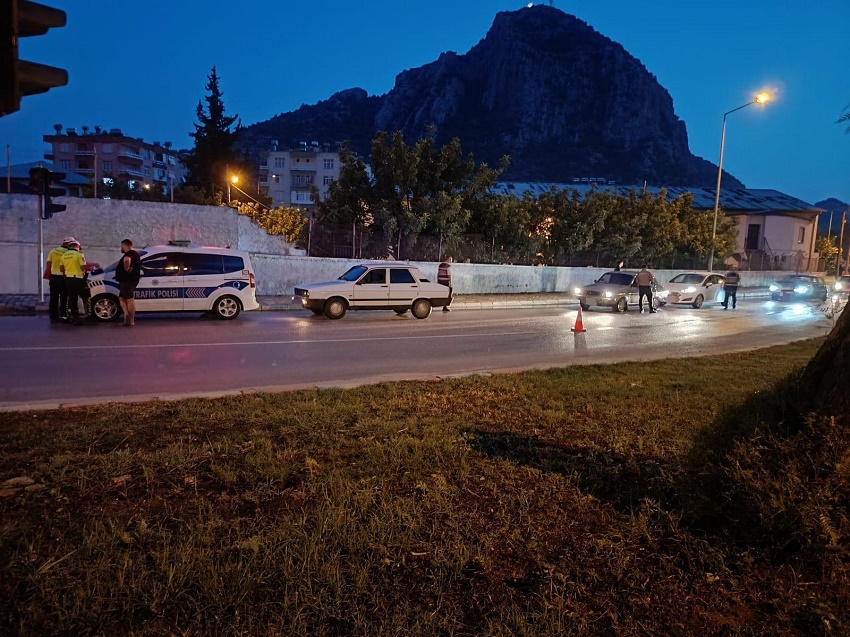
(562,100)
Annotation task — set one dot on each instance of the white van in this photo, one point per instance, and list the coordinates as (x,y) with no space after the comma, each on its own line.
(177,278)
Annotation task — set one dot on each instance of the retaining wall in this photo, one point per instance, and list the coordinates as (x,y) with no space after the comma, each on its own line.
(100,225)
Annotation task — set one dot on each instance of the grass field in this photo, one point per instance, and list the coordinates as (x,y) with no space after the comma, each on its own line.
(580,501)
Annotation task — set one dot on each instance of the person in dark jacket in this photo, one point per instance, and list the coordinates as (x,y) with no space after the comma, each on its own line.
(730,287)
(444,277)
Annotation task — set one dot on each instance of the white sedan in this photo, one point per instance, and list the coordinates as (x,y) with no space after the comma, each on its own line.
(375,286)
(696,288)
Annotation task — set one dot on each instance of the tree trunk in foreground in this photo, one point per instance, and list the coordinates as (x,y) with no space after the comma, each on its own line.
(825,383)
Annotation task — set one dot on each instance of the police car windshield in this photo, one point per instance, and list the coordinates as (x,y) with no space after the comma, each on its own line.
(354,273)
(111,268)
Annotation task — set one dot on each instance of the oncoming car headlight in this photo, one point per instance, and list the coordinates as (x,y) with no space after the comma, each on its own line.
(773,287)
(608,295)
(577,290)
(800,289)
(837,285)
(689,290)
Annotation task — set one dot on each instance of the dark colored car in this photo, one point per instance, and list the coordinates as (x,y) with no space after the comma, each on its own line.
(799,287)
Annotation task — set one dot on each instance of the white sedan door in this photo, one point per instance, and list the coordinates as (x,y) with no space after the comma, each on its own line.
(371,290)
(403,286)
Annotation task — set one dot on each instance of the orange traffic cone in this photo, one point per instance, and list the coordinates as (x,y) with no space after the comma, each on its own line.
(579,326)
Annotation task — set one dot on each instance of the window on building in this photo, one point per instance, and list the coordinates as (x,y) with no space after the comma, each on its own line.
(147,171)
(65,147)
(107,148)
(66,164)
(327,180)
(279,162)
(303,180)
(276,178)
(801,236)
(329,164)
(107,166)
(302,197)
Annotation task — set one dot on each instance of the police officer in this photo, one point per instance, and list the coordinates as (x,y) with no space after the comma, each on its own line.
(74,267)
(644,281)
(58,297)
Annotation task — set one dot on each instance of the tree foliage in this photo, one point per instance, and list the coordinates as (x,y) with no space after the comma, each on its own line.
(214,137)
(421,189)
(288,222)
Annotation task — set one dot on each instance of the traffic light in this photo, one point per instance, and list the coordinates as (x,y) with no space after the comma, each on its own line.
(40,181)
(18,19)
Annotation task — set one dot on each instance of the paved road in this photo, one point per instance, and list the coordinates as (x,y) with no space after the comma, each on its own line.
(44,365)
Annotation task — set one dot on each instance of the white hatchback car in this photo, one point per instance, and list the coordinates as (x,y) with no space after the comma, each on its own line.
(177,278)
(696,288)
(375,286)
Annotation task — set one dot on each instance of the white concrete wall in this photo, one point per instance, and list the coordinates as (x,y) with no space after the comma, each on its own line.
(101,225)
(279,275)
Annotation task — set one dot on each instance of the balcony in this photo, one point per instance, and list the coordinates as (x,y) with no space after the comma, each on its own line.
(125,153)
(85,153)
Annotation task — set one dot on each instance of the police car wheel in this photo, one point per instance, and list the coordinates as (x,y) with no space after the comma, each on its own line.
(421,308)
(335,308)
(227,308)
(105,308)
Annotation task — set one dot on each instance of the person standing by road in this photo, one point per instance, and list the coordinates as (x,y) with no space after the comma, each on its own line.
(644,281)
(58,297)
(444,277)
(730,287)
(74,267)
(127,273)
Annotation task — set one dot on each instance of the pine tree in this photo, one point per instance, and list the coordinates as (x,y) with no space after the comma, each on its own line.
(213,153)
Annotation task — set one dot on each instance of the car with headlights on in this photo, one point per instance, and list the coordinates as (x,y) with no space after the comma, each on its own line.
(619,291)
(375,286)
(799,287)
(842,285)
(696,288)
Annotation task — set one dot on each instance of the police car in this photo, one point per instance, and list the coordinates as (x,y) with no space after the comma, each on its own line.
(176,278)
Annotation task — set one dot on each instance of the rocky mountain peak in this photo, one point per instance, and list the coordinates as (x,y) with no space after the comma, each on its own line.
(544,87)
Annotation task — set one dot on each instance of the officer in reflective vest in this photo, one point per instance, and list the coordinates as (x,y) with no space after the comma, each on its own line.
(444,277)
(74,267)
(58,296)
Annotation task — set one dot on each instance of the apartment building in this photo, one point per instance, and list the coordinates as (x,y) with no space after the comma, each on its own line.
(103,155)
(288,176)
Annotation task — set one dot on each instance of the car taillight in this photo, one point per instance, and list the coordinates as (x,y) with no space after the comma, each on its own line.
(252,280)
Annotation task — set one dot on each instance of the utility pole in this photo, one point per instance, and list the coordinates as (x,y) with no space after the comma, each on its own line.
(840,245)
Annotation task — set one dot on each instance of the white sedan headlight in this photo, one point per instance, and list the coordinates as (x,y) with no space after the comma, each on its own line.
(689,290)
(774,287)
(837,285)
(608,295)
(577,290)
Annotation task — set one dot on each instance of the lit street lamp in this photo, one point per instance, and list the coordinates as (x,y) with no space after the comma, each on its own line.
(233,180)
(761,98)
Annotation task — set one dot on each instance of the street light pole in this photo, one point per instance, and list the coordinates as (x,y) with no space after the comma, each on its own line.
(761,98)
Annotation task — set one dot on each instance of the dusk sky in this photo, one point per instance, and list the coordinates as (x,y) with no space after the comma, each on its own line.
(141,67)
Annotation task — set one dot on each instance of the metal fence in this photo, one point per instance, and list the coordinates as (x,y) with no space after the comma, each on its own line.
(360,243)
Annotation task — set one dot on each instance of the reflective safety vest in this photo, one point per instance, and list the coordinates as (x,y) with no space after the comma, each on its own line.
(74,263)
(55,258)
